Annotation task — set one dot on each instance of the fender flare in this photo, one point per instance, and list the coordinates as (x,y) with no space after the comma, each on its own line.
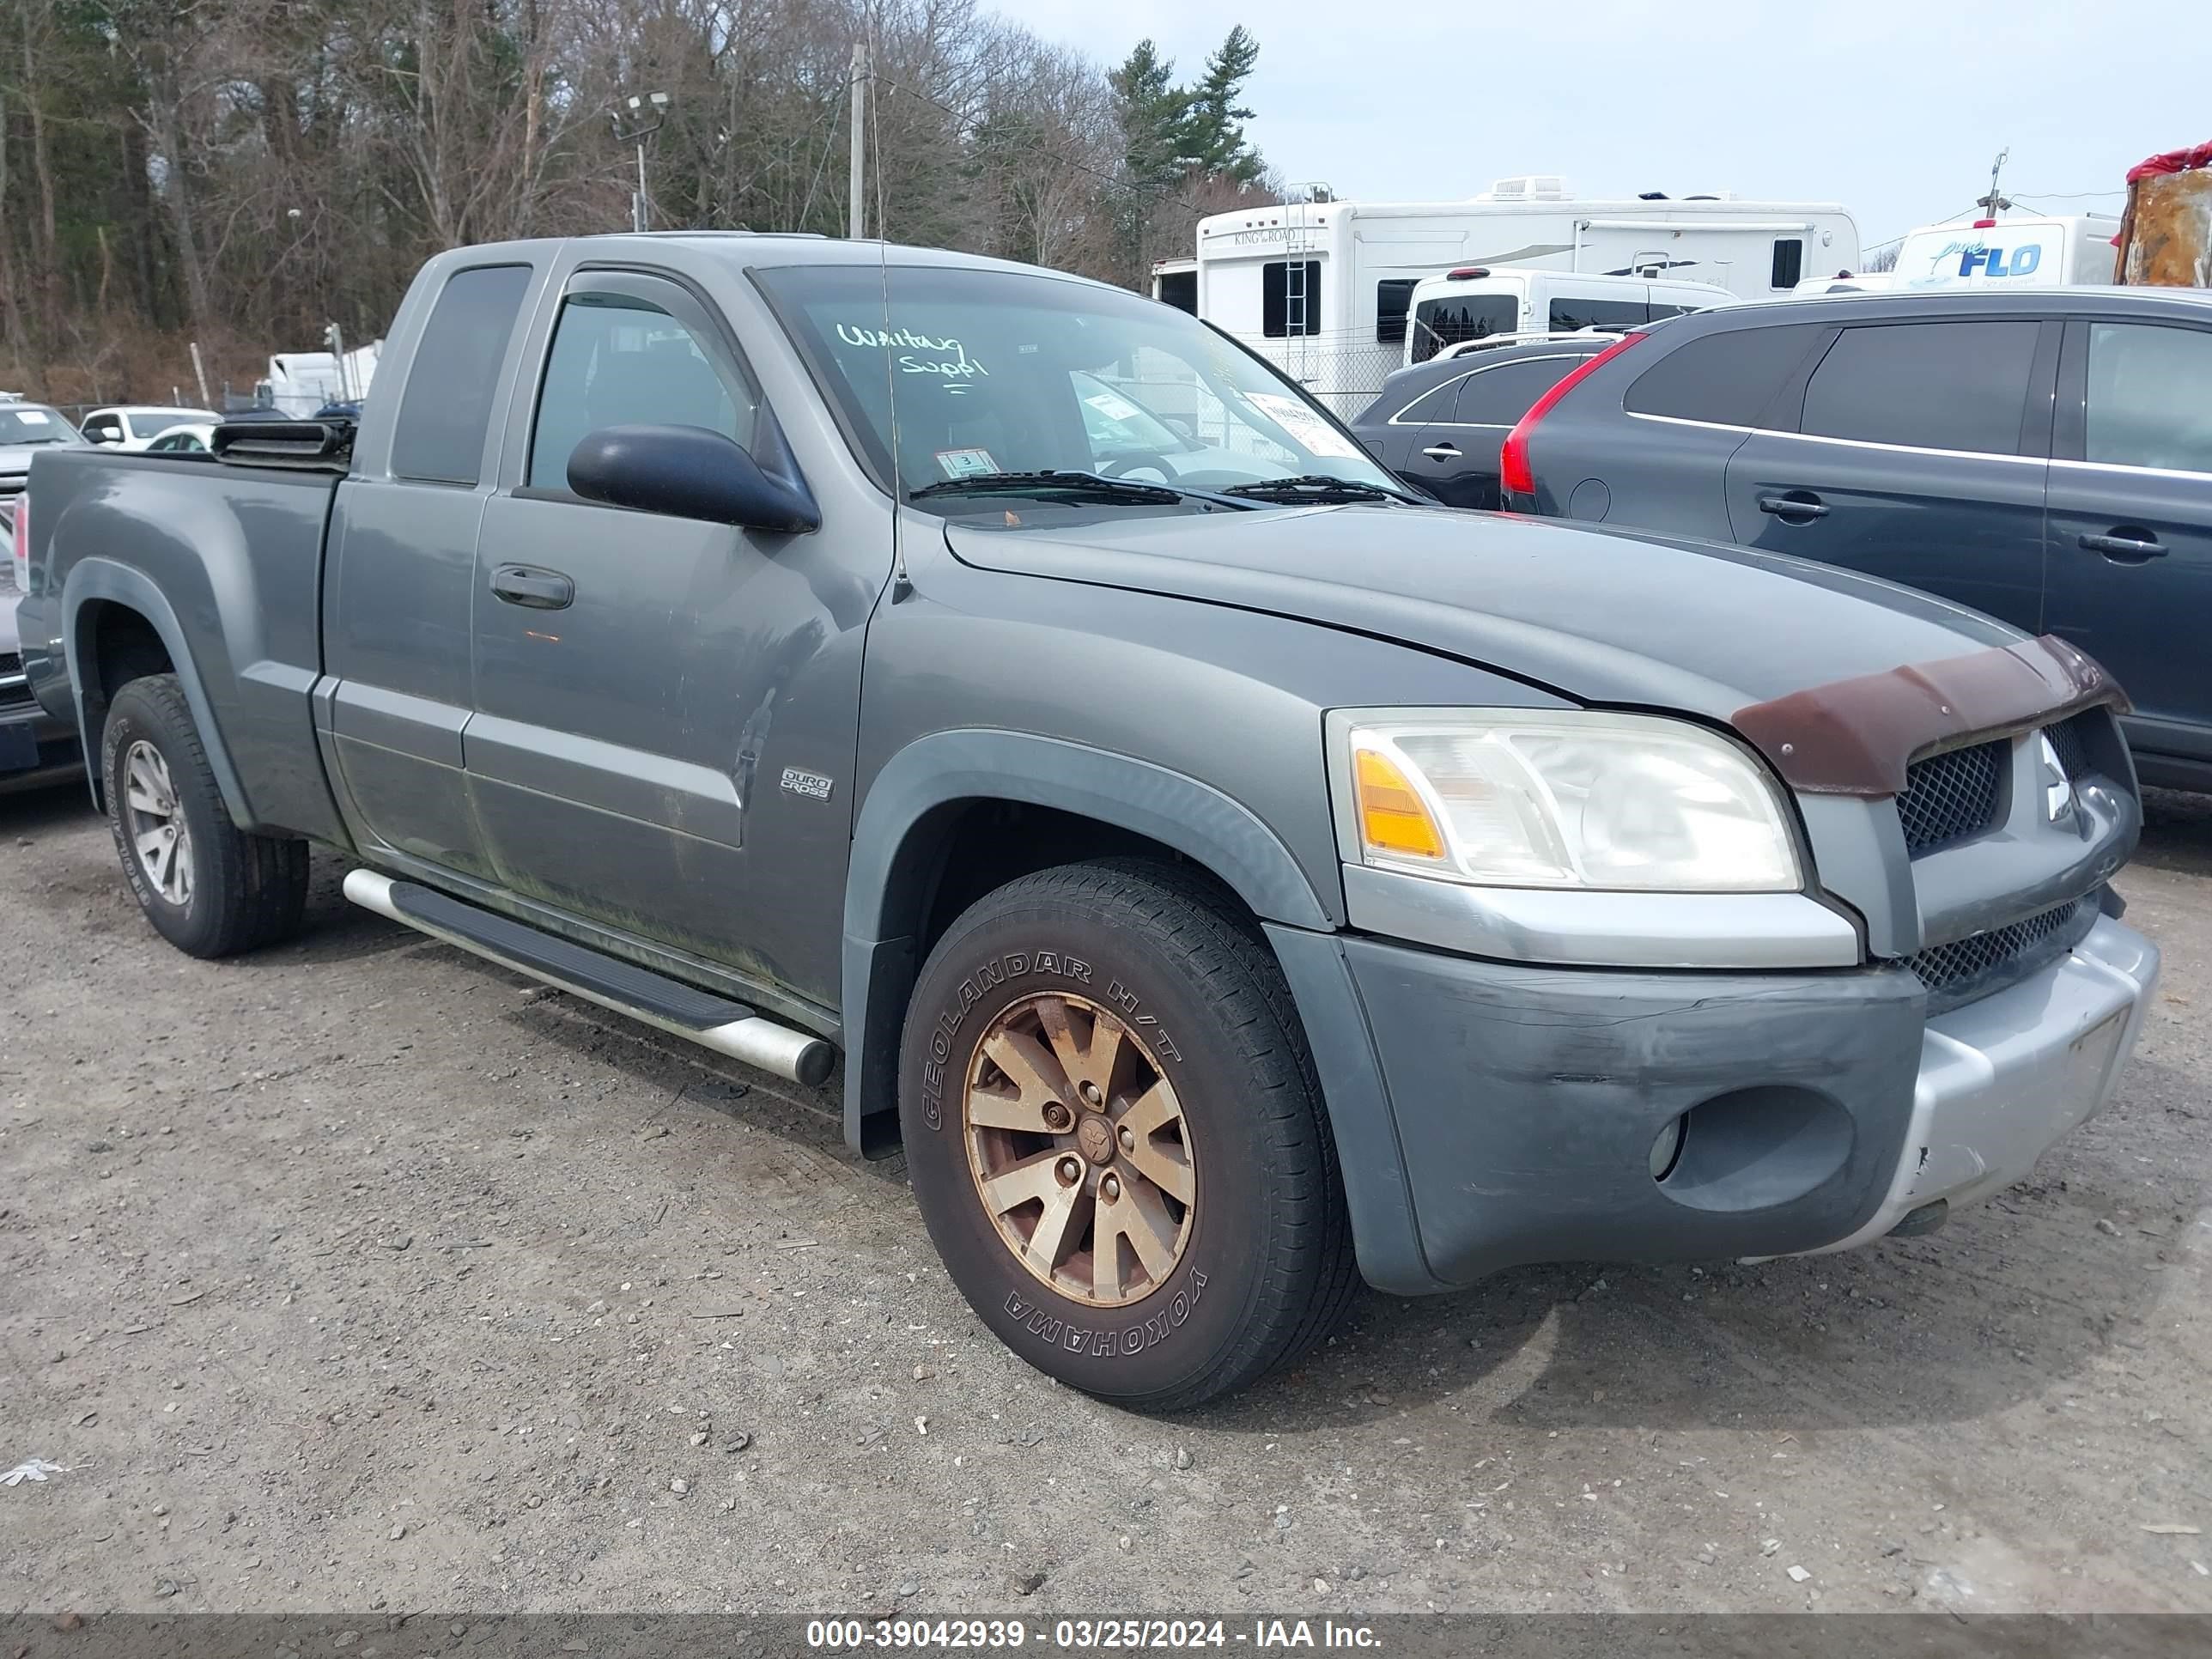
(882,919)
(883,922)
(100,580)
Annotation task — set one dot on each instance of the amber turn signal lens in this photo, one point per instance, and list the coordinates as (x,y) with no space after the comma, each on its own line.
(1392,817)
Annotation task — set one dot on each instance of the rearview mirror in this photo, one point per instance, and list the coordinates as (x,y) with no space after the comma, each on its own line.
(688,472)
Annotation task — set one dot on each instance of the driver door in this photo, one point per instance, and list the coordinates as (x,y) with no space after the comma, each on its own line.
(628,665)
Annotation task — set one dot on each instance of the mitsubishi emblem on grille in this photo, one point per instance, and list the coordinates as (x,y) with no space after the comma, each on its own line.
(2057,787)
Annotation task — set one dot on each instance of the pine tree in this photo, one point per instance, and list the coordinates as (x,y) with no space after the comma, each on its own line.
(1212,122)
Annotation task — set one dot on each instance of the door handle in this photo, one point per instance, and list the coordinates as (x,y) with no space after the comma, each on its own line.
(1442,451)
(2126,549)
(1797,504)
(527,585)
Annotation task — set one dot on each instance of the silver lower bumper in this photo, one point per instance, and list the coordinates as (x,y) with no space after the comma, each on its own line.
(2003,1078)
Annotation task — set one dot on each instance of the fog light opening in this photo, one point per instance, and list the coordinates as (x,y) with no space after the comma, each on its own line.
(1667,1150)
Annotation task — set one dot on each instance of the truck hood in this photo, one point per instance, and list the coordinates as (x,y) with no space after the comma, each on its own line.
(1599,617)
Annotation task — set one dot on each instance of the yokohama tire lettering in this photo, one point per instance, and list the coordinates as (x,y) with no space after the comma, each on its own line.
(1050,1328)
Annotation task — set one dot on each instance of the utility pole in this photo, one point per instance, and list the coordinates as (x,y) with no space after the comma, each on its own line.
(1993,203)
(856,216)
(636,130)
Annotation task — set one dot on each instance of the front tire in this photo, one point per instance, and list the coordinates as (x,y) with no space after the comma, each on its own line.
(1115,1138)
(208,888)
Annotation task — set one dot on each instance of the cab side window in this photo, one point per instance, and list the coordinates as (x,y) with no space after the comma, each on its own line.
(439,437)
(619,360)
(1930,385)
(103,430)
(2147,405)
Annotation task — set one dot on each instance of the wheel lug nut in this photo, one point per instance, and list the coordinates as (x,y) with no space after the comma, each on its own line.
(1057,1116)
(1091,1095)
(1109,1189)
(1128,1141)
(1069,1171)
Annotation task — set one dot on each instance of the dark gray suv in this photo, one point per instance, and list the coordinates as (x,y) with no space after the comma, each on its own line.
(2043,456)
(1438,425)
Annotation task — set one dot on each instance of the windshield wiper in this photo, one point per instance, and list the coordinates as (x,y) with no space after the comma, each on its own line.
(1317,487)
(1095,487)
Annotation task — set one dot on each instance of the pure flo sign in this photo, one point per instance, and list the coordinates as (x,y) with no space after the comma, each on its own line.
(1978,260)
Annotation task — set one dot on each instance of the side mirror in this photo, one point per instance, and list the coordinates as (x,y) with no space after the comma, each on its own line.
(1181,428)
(102,437)
(688,472)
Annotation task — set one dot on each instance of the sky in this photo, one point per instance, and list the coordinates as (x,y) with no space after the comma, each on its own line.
(1895,110)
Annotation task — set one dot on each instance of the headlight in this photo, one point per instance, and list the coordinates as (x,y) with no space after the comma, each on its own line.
(1630,803)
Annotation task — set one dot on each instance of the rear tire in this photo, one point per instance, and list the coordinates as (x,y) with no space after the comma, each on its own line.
(1157,1227)
(208,888)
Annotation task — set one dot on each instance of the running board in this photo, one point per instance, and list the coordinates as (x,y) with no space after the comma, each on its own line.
(728,1028)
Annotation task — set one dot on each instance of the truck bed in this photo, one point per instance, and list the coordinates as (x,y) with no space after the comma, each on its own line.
(227,559)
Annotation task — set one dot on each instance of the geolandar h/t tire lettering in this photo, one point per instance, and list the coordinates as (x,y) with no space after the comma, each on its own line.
(208,888)
(1115,1138)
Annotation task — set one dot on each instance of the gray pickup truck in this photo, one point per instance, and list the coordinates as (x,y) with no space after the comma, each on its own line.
(1224,877)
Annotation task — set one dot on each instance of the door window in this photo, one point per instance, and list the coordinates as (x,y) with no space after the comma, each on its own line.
(1932,386)
(1501,395)
(104,428)
(1728,378)
(450,383)
(2149,405)
(1434,404)
(619,360)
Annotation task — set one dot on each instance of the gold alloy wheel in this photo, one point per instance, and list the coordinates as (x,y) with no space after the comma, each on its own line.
(1078,1150)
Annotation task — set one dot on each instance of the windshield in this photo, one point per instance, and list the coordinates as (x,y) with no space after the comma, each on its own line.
(27,423)
(996,372)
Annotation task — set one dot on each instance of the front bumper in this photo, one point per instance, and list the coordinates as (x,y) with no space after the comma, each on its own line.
(2002,1079)
(1822,1109)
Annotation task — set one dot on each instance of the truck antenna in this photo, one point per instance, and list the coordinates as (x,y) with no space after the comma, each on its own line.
(901,584)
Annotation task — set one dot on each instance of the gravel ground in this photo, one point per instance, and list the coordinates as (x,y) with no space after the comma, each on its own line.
(361,1275)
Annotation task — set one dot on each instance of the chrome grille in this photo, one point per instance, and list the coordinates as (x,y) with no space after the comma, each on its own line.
(1951,797)
(1945,968)
(15,690)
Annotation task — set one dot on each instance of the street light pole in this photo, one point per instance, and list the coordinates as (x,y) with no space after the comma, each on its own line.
(636,130)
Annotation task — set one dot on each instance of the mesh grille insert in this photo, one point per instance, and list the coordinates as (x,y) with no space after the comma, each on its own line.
(1945,966)
(2071,745)
(1951,797)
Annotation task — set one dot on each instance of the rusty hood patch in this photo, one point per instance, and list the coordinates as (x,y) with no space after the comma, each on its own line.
(1854,737)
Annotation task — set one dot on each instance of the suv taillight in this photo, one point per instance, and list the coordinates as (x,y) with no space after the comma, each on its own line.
(1514,476)
(23,543)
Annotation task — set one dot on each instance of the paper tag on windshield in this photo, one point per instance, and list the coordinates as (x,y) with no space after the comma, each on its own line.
(1302,423)
(965,463)
(32,417)
(1113,408)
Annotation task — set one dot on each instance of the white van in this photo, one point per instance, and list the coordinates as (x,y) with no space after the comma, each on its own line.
(1477,303)
(2042,251)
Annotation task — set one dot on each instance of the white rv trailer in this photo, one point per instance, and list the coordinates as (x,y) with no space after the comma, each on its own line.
(1175,283)
(1321,288)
